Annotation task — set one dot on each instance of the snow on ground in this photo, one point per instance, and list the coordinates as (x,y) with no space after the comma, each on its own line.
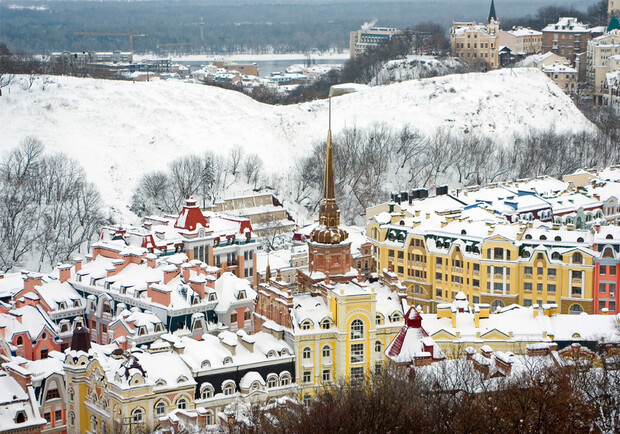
(120,130)
(416,66)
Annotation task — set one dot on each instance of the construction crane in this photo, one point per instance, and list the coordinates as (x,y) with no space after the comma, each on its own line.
(130,34)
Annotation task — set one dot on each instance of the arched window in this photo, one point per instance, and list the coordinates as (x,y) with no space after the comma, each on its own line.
(160,408)
(497,304)
(577,258)
(357,329)
(206,391)
(325,324)
(71,418)
(182,403)
(525,254)
(379,319)
(137,416)
(608,252)
(580,240)
(575,309)
(71,394)
(20,417)
(227,360)
(285,379)
(272,381)
(558,238)
(205,364)
(327,351)
(306,353)
(209,417)
(395,317)
(543,237)
(306,325)
(378,347)
(19,340)
(93,423)
(229,388)
(556,256)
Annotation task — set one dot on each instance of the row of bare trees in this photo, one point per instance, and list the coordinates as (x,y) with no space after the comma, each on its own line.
(373,161)
(47,208)
(453,397)
(206,177)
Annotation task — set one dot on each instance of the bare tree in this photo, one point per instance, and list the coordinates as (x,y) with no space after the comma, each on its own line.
(252,168)
(235,158)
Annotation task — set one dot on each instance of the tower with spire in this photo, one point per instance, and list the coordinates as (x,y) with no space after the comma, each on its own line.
(329,250)
(492,21)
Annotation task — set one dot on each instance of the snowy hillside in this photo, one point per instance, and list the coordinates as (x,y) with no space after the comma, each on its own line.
(119,130)
(415,66)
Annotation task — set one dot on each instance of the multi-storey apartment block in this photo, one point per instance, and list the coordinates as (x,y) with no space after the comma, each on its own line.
(601,60)
(368,37)
(568,37)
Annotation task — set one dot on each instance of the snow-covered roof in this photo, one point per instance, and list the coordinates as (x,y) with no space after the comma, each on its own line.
(567,24)
(14,400)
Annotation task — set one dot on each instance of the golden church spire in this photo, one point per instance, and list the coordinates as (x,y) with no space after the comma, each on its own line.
(328,231)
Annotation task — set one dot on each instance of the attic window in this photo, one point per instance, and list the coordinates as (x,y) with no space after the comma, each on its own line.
(395,317)
(543,237)
(609,237)
(21,417)
(528,237)
(580,240)
(463,232)
(227,361)
(241,295)
(325,324)
(160,382)
(212,296)
(558,238)
(306,325)
(182,379)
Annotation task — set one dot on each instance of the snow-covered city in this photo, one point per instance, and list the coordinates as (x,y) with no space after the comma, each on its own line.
(231,217)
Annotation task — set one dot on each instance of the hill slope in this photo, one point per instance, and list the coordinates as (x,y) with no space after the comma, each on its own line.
(120,130)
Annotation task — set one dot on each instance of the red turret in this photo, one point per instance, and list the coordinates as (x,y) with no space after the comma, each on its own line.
(190,216)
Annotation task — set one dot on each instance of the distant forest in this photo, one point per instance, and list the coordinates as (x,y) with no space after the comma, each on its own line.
(230,27)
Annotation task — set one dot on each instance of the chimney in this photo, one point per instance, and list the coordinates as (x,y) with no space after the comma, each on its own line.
(22,376)
(486,351)
(89,257)
(30,281)
(159,294)
(197,283)
(247,341)
(327,281)
(227,341)
(211,281)
(170,272)
(64,272)
(151,260)
(185,269)
(360,276)
(78,264)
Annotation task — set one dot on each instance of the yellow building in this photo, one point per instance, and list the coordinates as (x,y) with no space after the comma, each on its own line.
(475,43)
(436,255)
(459,324)
(110,391)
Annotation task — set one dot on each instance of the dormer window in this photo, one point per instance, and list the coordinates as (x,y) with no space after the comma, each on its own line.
(227,361)
(212,296)
(21,417)
(325,324)
(242,294)
(306,325)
